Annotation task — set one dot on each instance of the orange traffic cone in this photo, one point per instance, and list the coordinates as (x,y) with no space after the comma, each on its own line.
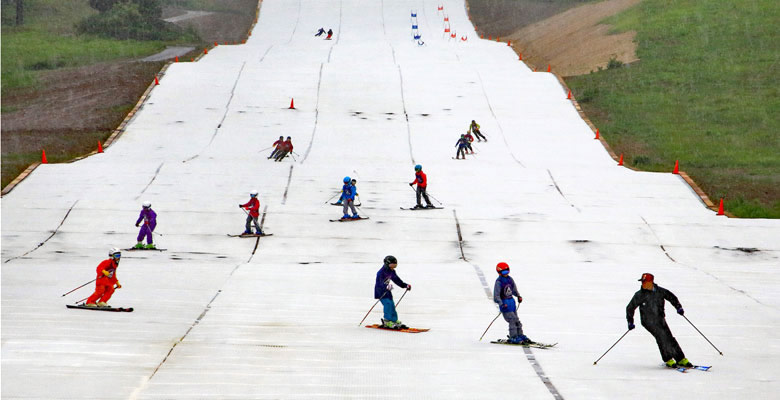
(521,56)
(597,133)
(720,208)
(43,157)
(509,43)
(176,59)
(568,97)
(100,147)
(206,50)
(621,159)
(156,81)
(292,104)
(549,68)
(676,167)
(216,44)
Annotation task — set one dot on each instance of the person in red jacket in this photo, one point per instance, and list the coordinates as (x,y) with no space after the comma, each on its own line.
(285,148)
(106,279)
(422,186)
(277,144)
(253,206)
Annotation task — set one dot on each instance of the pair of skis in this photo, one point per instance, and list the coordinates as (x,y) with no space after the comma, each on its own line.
(110,309)
(695,367)
(250,235)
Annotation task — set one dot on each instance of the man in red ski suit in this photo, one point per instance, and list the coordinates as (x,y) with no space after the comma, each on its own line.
(277,145)
(253,206)
(106,279)
(422,185)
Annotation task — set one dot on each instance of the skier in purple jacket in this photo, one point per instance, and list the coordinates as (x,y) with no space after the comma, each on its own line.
(149,218)
(382,289)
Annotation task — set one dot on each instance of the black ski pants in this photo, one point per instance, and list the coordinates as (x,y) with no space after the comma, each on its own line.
(421,192)
(667,344)
(479,135)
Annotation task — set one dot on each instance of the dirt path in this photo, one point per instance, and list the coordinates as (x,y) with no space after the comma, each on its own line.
(574,42)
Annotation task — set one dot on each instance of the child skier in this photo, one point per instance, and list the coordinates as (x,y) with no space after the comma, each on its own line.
(382,291)
(341,199)
(106,279)
(474,127)
(462,144)
(348,196)
(277,144)
(253,205)
(470,140)
(150,222)
(422,186)
(503,291)
(650,300)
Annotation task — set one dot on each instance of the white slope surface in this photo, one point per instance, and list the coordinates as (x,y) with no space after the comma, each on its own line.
(213,320)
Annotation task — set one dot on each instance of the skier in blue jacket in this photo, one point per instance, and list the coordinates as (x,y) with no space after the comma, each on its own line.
(382,291)
(348,197)
(503,291)
(462,145)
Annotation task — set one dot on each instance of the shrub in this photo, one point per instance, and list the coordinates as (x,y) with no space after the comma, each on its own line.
(614,63)
(126,21)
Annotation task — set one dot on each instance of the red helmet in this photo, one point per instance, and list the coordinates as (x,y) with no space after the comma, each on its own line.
(502,266)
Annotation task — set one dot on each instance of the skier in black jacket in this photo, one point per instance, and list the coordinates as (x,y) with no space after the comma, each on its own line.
(650,300)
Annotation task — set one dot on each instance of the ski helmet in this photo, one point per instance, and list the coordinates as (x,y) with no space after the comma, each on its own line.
(347,179)
(281,137)
(253,193)
(390,260)
(418,167)
(502,266)
(115,253)
(147,204)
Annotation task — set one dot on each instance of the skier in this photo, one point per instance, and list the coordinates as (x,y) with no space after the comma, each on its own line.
(470,140)
(474,127)
(382,291)
(341,199)
(348,196)
(422,186)
(150,222)
(284,149)
(462,144)
(650,300)
(503,291)
(330,34)
(106,279)
(253,205)
(277,144)
(320,32)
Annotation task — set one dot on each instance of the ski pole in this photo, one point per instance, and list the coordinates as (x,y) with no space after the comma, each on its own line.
(293,157)
(260,151)
(605,353)
(702,335)
(437,200)
(81,300)
(491,324)
(402,297)
(79,287)
(369,311)
(331,197)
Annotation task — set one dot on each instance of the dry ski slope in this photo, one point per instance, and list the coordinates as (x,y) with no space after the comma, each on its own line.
(215,318)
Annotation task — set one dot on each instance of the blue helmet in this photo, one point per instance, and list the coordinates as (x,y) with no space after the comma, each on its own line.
(347,179)
(417,167)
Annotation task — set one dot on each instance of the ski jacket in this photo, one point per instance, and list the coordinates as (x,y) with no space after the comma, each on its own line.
(503,292)
(253,205)
(287,146)
(462,142)
(148,216)
(420,179)
(473,127)
(347,192)
(469,137)
(107,265)
(651,305)
(278,142)
(383,276)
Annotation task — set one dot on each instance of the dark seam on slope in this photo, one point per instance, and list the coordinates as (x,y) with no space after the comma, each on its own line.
(257,242)
(316,113)
(50,236)
(700,270)
(295,28)
(559,191)
(490,107)
(460,236)
(406,115)
(289,179)
(150,182)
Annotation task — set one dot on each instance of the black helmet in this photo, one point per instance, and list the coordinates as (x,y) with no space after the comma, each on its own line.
(391,260)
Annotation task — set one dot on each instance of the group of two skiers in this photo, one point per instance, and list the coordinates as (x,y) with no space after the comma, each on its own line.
(322,31)
(282,148)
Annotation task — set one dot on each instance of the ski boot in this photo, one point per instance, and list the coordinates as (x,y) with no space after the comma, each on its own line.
(430,206)
(684,363)
(150,246)
(260,233)
(102,304)
(355,216)
(90,305)
(418,206)
(139,245)
(388,324)
(247,232)
(671,363)
(346,216)
(400,325)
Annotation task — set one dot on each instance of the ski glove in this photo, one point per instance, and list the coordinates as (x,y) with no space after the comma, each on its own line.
(519,299)
(503,306)
(118,286)
(408,287)
(106,273)
(631,326)
(411,184)
(680,311)
(136,225)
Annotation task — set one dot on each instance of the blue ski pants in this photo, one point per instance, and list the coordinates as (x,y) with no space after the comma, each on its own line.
(389,305)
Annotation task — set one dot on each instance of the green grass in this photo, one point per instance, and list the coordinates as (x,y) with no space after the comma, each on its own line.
(705,92)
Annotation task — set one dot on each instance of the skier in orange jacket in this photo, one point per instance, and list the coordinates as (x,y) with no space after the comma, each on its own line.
(106,279)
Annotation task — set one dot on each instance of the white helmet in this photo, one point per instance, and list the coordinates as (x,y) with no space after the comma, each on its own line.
(253,192)
(147,204)
(114,252)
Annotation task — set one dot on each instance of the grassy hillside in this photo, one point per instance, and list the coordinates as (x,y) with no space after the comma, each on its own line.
(502,17)
(705,92)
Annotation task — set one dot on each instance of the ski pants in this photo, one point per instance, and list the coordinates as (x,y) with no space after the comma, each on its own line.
(349,203)
(281,155)
(468,146)
(249,220)
(422,192)
(102,293)
(461,152)
(667,344)
(273,153)
(389,306)
(479,135)
(146,230)
(515,326)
